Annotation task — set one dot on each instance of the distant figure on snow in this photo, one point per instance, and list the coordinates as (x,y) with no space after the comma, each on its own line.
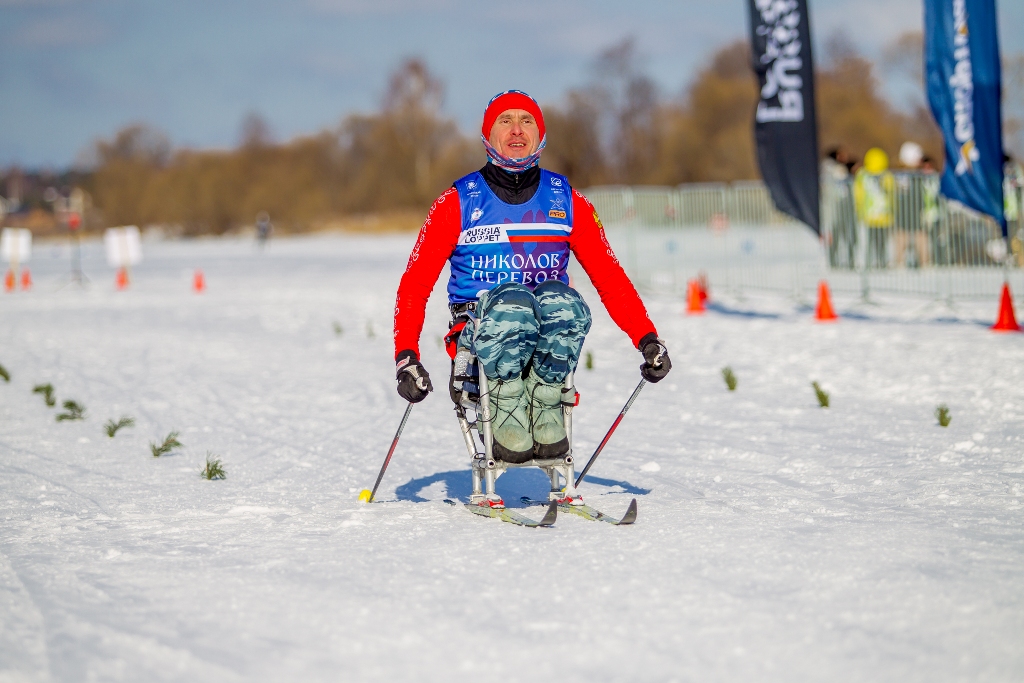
(263,228)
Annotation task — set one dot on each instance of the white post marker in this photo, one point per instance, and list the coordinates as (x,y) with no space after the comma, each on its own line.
(16,248)
(123,246)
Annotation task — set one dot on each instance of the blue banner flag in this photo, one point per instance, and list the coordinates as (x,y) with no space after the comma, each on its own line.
(964,87)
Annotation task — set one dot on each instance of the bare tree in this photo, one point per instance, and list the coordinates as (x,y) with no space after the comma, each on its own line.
(573,133)
(255,132)
(631,101)
(838,47)
(637,143)
(902,62)
(905,56)
(136,142)
(412,87)
(411,106)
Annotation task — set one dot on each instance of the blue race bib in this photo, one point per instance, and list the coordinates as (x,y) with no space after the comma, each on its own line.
(526,243)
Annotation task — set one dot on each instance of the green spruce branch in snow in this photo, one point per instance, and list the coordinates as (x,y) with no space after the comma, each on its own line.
(47,391)
(213,469)
(821,394)
(370,334)
(730,378)
(111,427)
(338,329)
(589,362)
(942,415)
(3,373)
(72,411)
(169,444)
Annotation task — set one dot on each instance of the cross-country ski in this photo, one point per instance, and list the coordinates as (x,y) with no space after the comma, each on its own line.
(588,512)
(513,517)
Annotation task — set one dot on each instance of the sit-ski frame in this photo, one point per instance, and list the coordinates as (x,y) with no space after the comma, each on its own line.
(486,469)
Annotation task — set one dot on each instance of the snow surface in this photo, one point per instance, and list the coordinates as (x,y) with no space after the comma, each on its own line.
(776,541)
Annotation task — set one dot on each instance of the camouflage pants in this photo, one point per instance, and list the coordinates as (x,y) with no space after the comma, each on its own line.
(516,327)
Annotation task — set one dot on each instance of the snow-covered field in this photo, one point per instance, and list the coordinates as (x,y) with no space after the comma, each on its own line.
(777,541)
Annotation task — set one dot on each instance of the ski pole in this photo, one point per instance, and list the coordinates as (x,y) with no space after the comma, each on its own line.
(622,413)
(391,451)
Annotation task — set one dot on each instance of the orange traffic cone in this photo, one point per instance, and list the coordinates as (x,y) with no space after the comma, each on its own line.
(9,281)
(26,279)
(694,303)
(824,311)
(199,282)
(121,280)
(1007,321)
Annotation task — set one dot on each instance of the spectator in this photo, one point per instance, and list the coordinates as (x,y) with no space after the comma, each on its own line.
(263,228)
(910,233)
(929,207)
(840,226)
(873,197)
(1013,182)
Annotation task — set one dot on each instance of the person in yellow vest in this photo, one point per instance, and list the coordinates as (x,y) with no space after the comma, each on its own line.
(873,189)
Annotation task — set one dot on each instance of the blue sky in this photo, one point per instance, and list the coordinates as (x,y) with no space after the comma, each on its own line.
(72,71)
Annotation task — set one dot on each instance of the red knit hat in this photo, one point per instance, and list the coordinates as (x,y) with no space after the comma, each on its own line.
(510,99)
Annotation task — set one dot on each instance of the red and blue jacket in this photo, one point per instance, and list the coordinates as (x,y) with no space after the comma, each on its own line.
(526,243)
(489,242)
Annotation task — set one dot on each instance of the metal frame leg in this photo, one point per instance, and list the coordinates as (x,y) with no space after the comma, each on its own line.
(467,436)
(485,473)
(566,469)
(485,411)
(556,483)
(569,390)
(478,493)
(485,469)
(474,454)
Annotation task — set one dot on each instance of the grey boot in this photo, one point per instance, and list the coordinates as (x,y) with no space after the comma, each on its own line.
(546,419)
(510,421)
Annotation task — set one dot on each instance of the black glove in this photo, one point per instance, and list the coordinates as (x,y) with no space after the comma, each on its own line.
(656,361)
(413,380)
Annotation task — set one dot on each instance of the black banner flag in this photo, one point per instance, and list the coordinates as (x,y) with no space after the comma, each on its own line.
(785,125)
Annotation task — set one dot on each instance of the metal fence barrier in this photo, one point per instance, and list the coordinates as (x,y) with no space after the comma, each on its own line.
(906,240)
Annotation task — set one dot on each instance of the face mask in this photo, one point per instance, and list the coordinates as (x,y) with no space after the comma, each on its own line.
(510,164)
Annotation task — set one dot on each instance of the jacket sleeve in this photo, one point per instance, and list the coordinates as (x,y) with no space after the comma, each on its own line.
(437,240)
(590,245)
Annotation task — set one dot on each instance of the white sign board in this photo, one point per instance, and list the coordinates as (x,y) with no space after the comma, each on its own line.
(124,247)
(16,245)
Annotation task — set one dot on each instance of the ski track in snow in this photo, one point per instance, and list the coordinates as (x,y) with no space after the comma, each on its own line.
(776,541)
